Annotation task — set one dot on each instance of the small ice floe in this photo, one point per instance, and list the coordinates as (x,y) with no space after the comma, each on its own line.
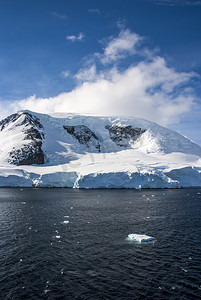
(46,288)
(66,216)
(65,222)
(141,238)
(46,291)
(23,202)
(184,270)
(57,236)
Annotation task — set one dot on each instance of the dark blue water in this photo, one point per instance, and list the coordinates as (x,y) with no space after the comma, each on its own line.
(43,257)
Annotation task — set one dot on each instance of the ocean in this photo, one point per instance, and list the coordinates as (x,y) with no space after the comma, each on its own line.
(71,244)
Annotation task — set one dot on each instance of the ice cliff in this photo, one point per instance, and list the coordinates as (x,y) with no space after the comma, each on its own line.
(69,150)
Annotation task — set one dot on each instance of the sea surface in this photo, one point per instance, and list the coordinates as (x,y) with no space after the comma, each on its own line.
(71,244)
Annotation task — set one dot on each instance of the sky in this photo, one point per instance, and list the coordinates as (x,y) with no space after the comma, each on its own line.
(138,58)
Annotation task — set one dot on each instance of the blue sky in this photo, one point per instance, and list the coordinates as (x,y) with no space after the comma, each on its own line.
(131,57)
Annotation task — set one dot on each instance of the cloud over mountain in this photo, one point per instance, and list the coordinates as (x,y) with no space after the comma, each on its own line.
(148,89)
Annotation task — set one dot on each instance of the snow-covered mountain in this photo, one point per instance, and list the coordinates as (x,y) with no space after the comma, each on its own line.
(69,150)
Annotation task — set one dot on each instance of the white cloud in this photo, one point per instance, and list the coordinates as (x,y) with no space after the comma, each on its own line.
(65,74)
(87,74)
(145,90)
(6,108)
(75,38)
(150,89)
(119,47)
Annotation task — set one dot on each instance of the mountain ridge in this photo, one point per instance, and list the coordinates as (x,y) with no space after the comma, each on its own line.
(71,150)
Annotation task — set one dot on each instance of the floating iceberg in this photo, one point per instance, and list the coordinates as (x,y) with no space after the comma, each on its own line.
(65,222)
(141,238)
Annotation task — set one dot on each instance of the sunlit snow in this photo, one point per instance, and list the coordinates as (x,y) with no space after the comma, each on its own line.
(158,158)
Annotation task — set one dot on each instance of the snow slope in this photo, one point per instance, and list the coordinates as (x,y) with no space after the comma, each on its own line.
(69,150)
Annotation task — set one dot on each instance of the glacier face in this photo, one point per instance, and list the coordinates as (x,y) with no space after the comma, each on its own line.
(69,150)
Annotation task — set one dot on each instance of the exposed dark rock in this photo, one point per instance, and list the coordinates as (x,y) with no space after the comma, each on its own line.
(8,120)
(30,153)
(31,120)
(32,134)
(27,155)
(121,135)
(27,120)
(84,135)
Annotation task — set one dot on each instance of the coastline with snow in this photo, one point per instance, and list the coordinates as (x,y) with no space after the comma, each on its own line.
(68,150)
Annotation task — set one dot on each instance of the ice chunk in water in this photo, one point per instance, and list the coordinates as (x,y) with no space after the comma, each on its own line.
(141,238)
(65,222)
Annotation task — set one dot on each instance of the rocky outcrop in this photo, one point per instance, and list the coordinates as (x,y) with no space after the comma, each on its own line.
(10,119)
(84,135)
(33,134)
(27,119)
(123,135)
(30,152)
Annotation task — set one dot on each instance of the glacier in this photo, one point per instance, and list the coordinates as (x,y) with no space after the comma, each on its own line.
(76,151)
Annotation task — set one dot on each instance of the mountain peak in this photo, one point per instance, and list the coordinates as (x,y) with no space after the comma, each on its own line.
(92,150)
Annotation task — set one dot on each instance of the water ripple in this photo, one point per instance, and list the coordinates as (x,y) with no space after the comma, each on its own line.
(42,256)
